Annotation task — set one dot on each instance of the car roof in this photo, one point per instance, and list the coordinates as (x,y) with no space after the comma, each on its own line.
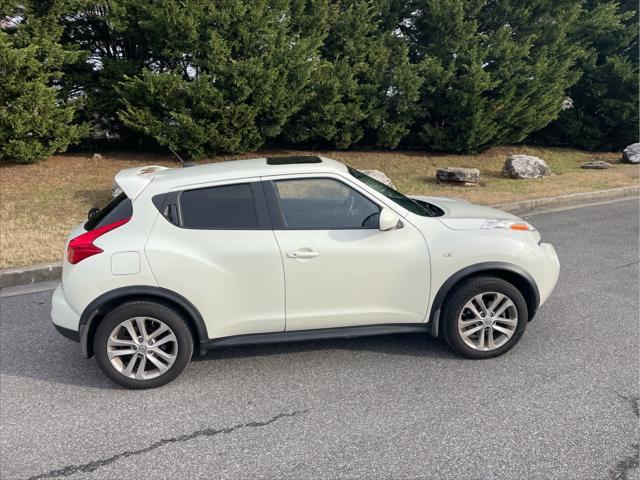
(134,180)
(253,167)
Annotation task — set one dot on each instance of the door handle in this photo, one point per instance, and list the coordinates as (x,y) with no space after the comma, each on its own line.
(303,253)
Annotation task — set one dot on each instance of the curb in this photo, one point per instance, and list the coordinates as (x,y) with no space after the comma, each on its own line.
(569,200)
(28,275)
(53,271)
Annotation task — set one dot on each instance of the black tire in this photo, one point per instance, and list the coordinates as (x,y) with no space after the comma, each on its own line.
(464,292)
(163,313)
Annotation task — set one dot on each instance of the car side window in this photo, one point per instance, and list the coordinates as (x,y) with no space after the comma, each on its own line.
(324,204)
(228,207)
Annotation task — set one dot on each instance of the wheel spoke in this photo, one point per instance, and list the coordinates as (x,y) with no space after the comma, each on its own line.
(142,329)
(128,325)
(120,342)
(128,370)
(473,309)
(490,343)
(508,303)
(481,339)
(168,338)
(480,301)
(120,352)
(141,367)
(471,331)
(496,302)
(506,331)
(508,321)
(467,323)
(156,361)
(164,355)
(158,331)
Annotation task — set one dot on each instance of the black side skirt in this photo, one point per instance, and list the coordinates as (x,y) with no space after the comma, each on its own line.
(316,334)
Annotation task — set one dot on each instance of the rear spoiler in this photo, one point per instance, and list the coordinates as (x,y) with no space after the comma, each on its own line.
(133,181)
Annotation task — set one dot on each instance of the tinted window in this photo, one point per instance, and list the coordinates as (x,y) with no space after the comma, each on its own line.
(117,209)
(229,207)
(322,203)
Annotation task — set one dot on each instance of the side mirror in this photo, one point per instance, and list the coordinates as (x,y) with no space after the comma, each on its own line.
(92,212)
(389,219)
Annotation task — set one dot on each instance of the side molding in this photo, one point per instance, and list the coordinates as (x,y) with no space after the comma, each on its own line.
(501,269)
(109,300)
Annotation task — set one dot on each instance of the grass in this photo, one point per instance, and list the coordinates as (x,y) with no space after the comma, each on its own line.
(40,203)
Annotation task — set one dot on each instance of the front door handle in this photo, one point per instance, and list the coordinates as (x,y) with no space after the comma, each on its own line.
(303,253)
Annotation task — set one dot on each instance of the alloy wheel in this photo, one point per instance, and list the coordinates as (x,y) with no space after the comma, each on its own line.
(142,348)
(487,321)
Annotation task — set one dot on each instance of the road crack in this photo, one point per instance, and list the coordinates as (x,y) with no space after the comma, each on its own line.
(209,432)
(634,401)
(620,471)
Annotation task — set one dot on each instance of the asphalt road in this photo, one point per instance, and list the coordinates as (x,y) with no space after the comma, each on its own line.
(561,405)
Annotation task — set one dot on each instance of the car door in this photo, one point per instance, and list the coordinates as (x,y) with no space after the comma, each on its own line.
(340,269)
(214,246)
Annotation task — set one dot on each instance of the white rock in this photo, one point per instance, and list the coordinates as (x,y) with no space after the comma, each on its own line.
(631,154)
(525,166)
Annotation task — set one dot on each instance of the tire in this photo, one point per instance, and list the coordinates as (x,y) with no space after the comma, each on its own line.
(163,357)
(474,334)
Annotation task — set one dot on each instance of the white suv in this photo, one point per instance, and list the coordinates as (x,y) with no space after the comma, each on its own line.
(289,248)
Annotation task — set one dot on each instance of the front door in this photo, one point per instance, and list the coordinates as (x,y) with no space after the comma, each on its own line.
(340,269)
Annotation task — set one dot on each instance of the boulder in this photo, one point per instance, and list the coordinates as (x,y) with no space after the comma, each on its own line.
(596,165)
(380,176)
(468,177)
(115,190)
(96,156)
(631,154)
(525,166)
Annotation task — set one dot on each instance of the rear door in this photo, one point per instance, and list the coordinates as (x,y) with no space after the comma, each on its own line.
(214,245)
(340,269)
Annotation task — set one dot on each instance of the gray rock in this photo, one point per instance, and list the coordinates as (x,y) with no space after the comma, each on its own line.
(96,156)
(469,177)
(115,190)
(596,165)
(380,176)
(525,166)
(631,154)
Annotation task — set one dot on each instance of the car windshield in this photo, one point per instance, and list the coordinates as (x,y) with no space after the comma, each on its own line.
(390,193)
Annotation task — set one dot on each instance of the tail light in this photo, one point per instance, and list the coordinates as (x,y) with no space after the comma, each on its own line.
(82,246)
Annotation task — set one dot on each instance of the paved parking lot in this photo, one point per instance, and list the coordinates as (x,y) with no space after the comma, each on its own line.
(561,405)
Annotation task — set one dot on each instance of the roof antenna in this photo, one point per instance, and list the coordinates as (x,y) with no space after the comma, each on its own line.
(184,164)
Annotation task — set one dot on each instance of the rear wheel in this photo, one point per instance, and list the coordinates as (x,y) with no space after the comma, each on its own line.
(142,345)
(485,317)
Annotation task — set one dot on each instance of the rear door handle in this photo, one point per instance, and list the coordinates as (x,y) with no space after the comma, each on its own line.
(303,253)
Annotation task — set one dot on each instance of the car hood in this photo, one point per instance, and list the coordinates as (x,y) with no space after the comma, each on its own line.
(463,215)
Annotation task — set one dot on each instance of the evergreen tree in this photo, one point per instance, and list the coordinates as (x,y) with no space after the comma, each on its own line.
(363,86)
(221,76)
(36,120)
(493,71)
(604,102)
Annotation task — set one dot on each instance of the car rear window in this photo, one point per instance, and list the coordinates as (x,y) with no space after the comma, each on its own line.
(229,207)
(119,208)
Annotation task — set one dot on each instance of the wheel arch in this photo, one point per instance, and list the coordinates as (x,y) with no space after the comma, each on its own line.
(517,276)
(101,306)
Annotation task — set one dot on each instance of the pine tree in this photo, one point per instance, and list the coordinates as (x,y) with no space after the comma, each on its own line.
(604,102)
(363,86)
(207,77)
(493,71)
(36,119)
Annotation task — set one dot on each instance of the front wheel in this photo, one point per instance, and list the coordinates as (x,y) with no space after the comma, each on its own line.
(142,345)
(485,317)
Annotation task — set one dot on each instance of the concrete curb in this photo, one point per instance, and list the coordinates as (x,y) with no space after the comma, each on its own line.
(569,200)
(28,275)
(53,271)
